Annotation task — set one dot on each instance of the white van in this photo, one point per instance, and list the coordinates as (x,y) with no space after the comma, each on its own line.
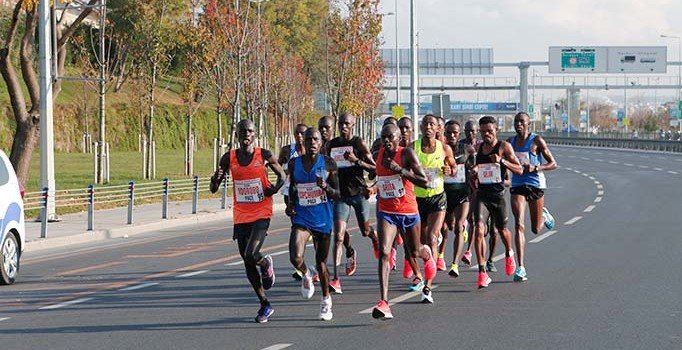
(12,231)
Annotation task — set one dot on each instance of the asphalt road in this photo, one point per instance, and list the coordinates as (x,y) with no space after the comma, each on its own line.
(608,277)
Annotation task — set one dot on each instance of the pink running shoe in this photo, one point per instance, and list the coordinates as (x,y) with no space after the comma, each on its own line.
(440,264)
(509,266)
(407,270)
(392,260)
(466,258)
(429,265)
(483,280)
(335,286)
(382,311)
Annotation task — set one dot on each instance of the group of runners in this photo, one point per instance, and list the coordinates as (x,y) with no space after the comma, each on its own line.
(429,190)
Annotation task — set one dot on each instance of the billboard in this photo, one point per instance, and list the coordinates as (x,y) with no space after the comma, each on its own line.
(474,61)
(608,59)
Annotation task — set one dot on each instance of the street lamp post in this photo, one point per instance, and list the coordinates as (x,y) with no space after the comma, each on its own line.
(679,73)
(397,57)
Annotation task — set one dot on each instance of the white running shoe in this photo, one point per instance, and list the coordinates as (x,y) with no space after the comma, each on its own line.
(326,309)
(427,296)
(307,286)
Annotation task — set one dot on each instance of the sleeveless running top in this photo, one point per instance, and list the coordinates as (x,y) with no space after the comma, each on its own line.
(293,153)
(527,157)
(250,202)
(396,193)
(313,208)
(490,175)
(432,164)
(458,182)
(351,176)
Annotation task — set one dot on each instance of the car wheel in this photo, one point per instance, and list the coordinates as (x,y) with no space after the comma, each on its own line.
(9,259)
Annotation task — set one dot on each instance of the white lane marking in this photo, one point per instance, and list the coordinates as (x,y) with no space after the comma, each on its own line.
(643,166)
(586,175)
(193,273)
(240,262)
(612,162)
(672,172)
(600,193)
(397,300)
(597,200)
(598,160)
(628,164)
(584,158)
(569,169)
(138,286)
(67,303)
(591,178)
(658,169)
(600,186)
(496,258)
(573,221)
(282,252)
(589,209)
(4,319)
(541,237)
(278,346)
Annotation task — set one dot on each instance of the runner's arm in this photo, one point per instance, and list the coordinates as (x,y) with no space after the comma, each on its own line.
(277,169)
(547,154)
(364,159)
(509,159)
(450,163)
(221,172)
(412,170)
(283,155)
(292,186)
(332,183)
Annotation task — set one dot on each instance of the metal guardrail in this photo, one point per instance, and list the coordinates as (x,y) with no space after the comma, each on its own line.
(125,195)
(610,141)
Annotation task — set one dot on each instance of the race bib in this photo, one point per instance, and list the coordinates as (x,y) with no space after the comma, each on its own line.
(337,154)
(249,191)
(310,194)
(543,180)
(433,177)
(459,178)
(524,157)
(390,186)
(489,173)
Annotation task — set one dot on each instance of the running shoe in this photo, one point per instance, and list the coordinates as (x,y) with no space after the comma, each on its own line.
(427,296)
(307,286)
(440,263)
(392,260)
(509,265)
(399,239)
(429,265)
(490,266)
(454,270)
(417,285)
(439,240)
(267,272)
(326,309)
(297,275)
(382,311)
(407,269)
(335,286)
(520,274)
(375,248)
(466,258)
(351,263)
(548,217)
(264,313)
(483,280)
(465,236)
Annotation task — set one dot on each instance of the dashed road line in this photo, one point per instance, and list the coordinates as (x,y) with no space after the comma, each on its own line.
(278,346)
(591,178)
(66,303)
(643,166)
(541,237)
(628,164)
(4,319)
(573,221)
(193,273)
(589,208)
(597,200)
(138,286)
(397,300)
(584,158)
(598,160)
(658,169)
(672,172)
(496,258)
(613,162)
(600,186)
(600,193)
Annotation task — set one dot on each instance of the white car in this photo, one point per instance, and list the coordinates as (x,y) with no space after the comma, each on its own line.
(12,231)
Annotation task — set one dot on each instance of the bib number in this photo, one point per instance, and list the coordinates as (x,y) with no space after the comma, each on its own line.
(489,173)
(337,154)
(249,191)
(524,157)
(390,186)
(459,178)
(310,194)
(433,177)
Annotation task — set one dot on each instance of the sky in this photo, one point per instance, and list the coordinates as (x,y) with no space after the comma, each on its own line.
(522,30)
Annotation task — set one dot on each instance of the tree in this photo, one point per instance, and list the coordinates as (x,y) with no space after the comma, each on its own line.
(27,114)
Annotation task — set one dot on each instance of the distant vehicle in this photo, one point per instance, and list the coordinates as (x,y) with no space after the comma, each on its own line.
(628,59)
(12,231)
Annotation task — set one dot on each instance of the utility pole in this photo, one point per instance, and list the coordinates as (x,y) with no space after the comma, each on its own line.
(102,172)
(414,88)
(397,57)
(46,107)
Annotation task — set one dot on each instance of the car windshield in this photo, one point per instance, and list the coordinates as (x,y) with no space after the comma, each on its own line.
(4,173)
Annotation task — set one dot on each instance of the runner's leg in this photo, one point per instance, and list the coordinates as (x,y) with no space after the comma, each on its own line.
(518,206)
(387,233)
(297,242)
(249,249)
(322,243)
